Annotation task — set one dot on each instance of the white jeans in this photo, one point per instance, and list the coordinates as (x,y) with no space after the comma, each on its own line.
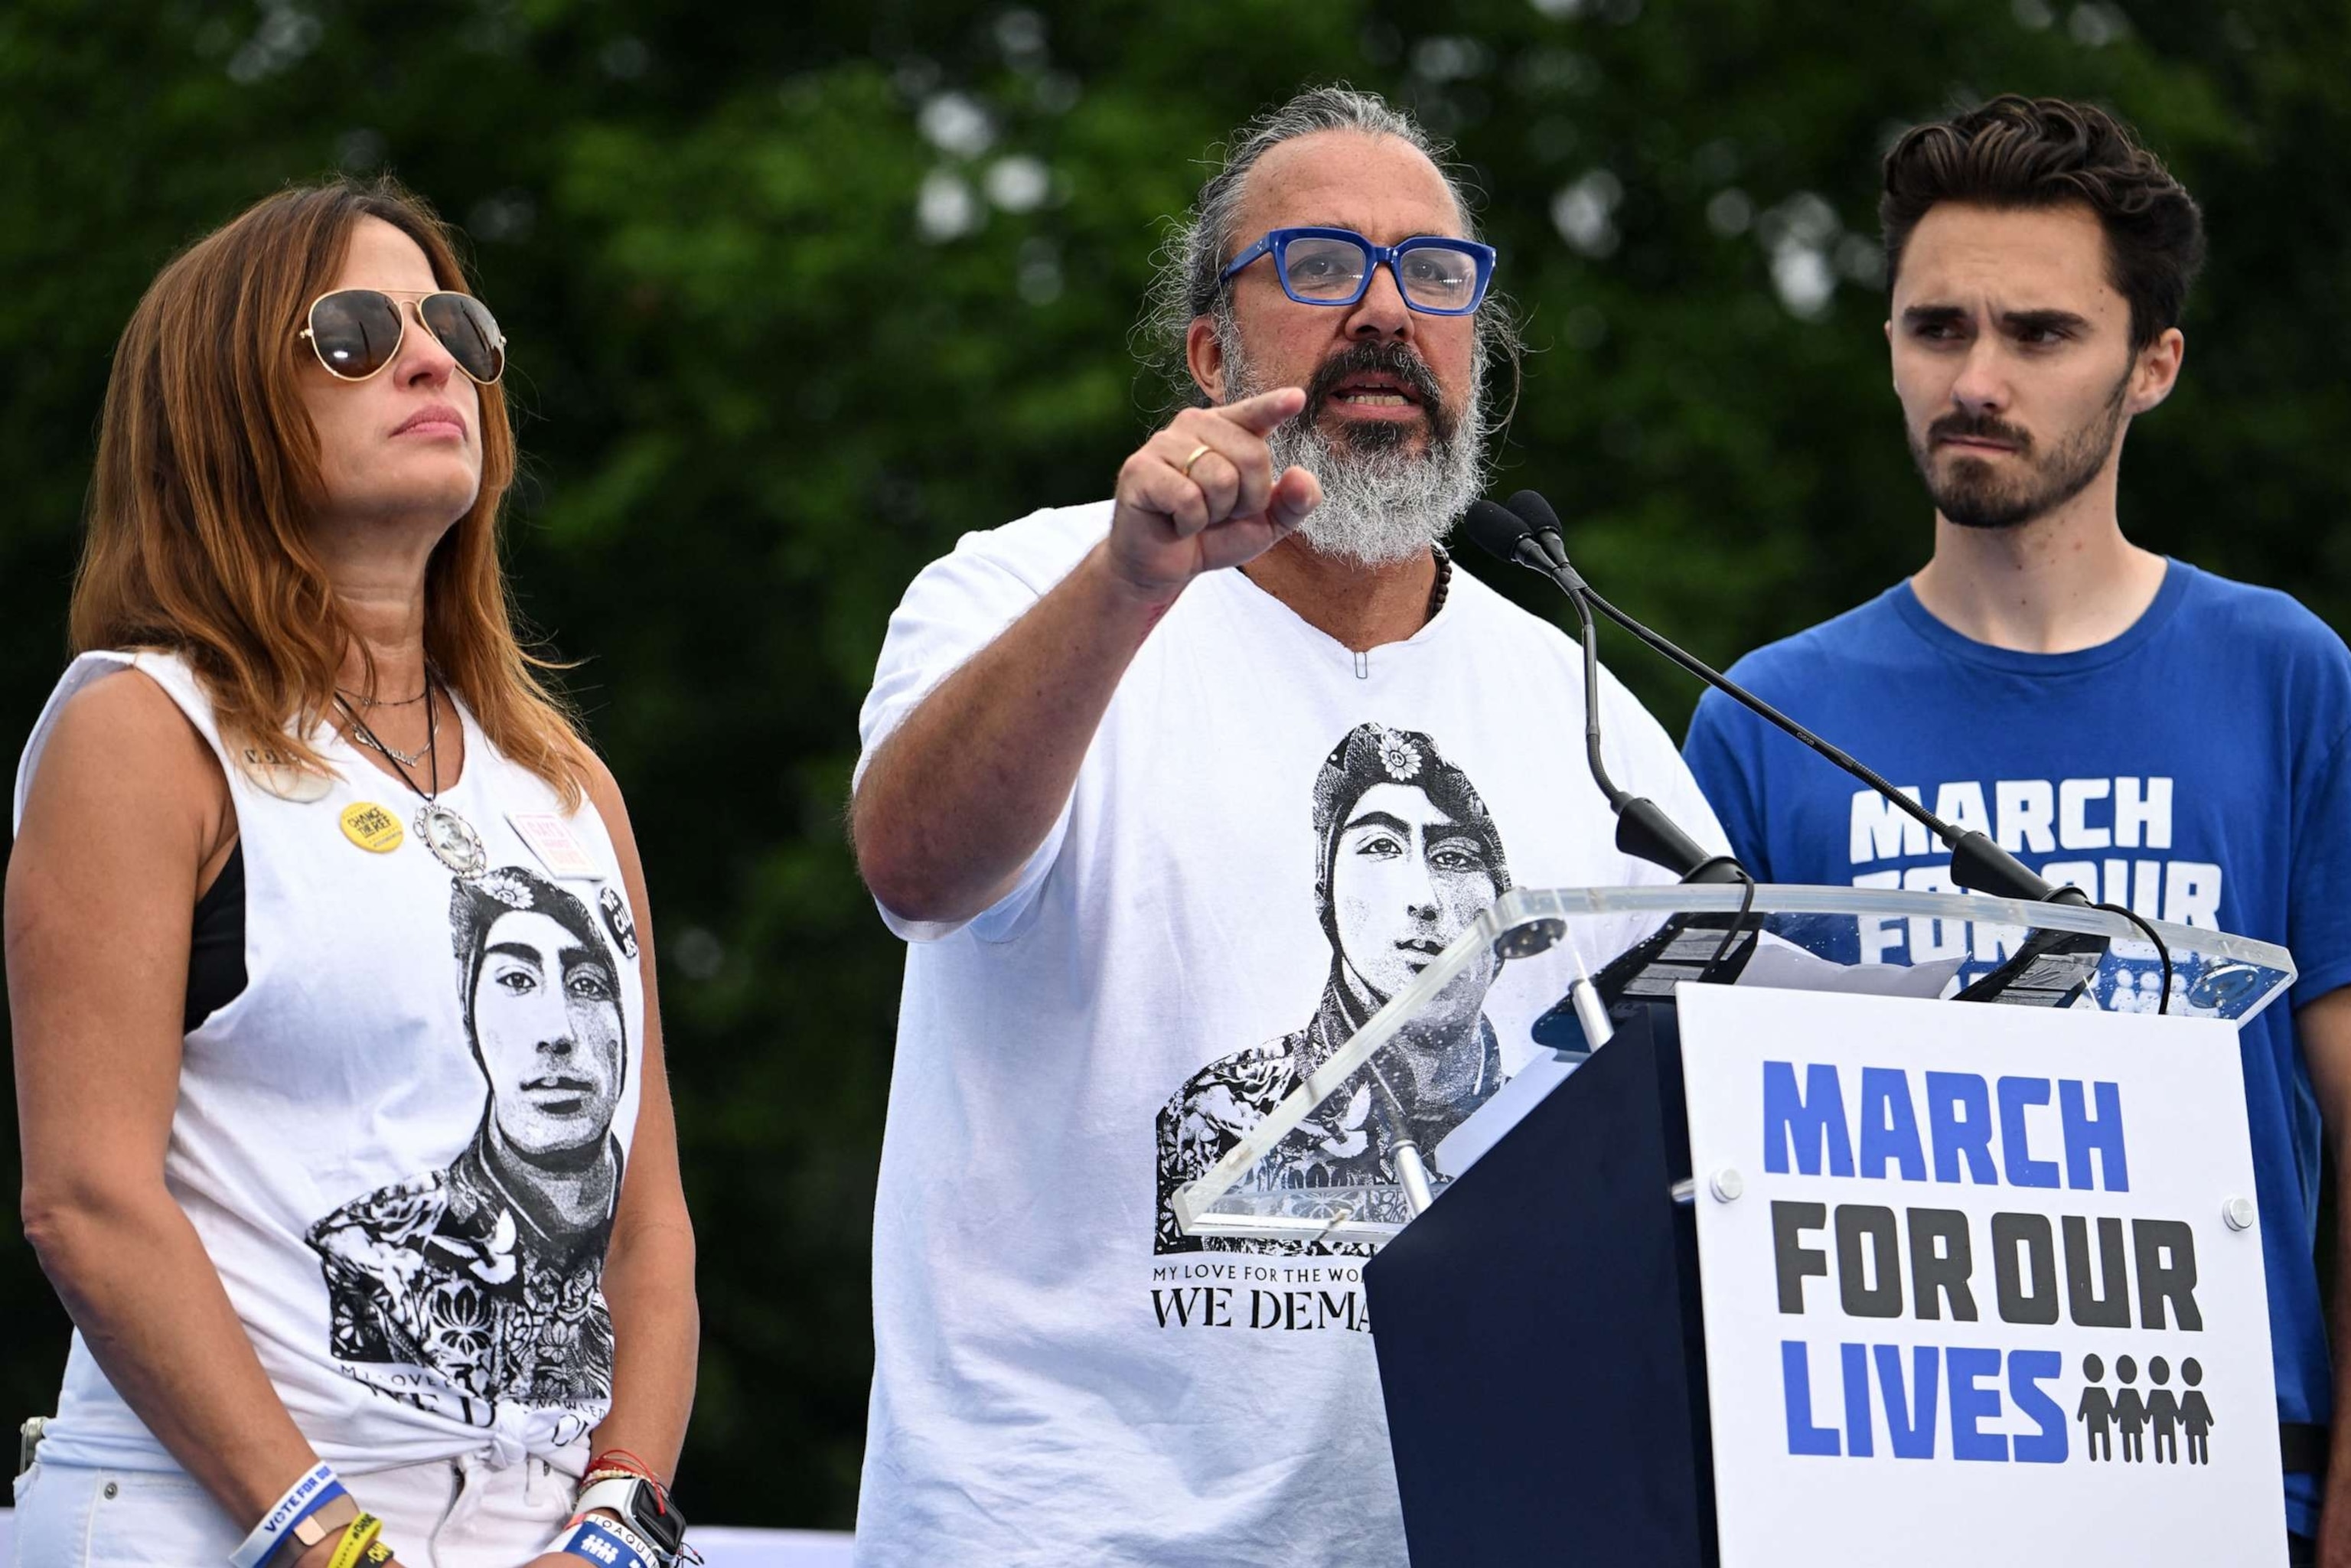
(452,1513)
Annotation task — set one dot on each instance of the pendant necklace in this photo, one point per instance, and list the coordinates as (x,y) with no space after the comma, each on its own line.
(454,840)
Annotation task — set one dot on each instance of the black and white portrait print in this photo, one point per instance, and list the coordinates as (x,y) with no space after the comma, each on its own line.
(480,1282)
(1408,855)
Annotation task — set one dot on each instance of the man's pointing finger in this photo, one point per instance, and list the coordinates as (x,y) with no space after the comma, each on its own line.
(1259,414)
(1295,493)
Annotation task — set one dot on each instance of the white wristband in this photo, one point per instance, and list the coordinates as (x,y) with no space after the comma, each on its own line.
(271,1531)
(613,1493)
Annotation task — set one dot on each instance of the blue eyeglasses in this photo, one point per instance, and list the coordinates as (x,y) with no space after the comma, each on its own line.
(1334,267)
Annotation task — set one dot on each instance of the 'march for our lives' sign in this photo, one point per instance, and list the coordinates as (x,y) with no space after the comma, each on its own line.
(1983,1284)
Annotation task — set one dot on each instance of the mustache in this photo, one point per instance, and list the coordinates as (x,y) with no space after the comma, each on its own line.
(1960,425)
(1378,358)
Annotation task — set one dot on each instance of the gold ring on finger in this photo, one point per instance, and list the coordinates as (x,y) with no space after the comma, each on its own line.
(1197,453)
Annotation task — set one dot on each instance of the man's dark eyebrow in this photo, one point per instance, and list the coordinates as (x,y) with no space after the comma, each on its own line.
(1380,820)
(2043,321)
(1932,316)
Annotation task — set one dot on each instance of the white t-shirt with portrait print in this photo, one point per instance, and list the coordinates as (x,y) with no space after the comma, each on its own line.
(1048,1388)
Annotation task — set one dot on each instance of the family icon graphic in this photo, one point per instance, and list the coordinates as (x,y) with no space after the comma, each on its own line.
(2135,1415)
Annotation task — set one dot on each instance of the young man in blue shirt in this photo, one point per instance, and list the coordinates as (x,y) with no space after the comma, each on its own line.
(2160,736)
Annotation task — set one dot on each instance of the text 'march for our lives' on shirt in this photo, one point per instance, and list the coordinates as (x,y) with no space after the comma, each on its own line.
(2110,837)
(2178,770)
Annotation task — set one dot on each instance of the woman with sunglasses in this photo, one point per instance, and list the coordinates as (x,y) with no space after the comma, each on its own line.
(347,1141)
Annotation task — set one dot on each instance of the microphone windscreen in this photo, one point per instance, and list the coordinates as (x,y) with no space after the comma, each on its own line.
(1534,512)
(1493,529)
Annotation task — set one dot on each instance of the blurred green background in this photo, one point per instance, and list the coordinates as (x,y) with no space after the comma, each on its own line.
(798,295)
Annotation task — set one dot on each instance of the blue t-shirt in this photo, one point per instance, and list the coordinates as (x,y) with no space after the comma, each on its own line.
(2191,768)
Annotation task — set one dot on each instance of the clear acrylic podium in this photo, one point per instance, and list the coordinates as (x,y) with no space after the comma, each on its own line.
(1507,1138)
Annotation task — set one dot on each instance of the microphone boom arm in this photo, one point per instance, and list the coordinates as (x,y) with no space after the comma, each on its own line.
(1615,796)
(1643,828)
(1978,861)
(1729,688)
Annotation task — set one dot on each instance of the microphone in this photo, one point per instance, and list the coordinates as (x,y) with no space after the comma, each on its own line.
(1527,533)
(1643,828)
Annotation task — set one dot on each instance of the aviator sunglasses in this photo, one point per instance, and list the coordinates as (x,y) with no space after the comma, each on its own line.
(356,332)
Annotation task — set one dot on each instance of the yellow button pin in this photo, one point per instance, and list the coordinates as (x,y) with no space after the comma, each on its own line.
(372,827)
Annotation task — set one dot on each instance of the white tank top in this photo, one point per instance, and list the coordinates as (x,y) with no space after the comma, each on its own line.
(401,1141)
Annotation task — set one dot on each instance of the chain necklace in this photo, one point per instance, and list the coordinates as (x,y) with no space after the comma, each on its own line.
(366,701)
(369,738)
(454,840)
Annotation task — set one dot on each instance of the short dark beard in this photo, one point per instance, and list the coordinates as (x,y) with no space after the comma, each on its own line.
(1368,435)
(1972,499)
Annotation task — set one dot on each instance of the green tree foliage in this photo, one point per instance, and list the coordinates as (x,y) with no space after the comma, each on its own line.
(797,294)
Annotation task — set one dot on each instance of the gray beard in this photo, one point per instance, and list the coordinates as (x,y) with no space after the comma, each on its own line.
(1379,507)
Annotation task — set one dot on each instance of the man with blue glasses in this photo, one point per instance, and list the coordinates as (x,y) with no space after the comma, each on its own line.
(1144,784)
(1334,267)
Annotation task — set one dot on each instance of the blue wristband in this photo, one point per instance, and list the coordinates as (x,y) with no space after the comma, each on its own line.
(599,1543)
(303,1498)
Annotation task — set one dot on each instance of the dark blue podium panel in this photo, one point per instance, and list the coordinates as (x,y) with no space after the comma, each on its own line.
(1541,1347)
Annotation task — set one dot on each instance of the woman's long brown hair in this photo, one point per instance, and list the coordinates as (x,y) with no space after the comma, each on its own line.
(208,466)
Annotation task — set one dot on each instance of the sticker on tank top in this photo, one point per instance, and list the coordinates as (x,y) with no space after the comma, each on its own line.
(372,827)
(476,1286)
(275,772)
(550,838)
